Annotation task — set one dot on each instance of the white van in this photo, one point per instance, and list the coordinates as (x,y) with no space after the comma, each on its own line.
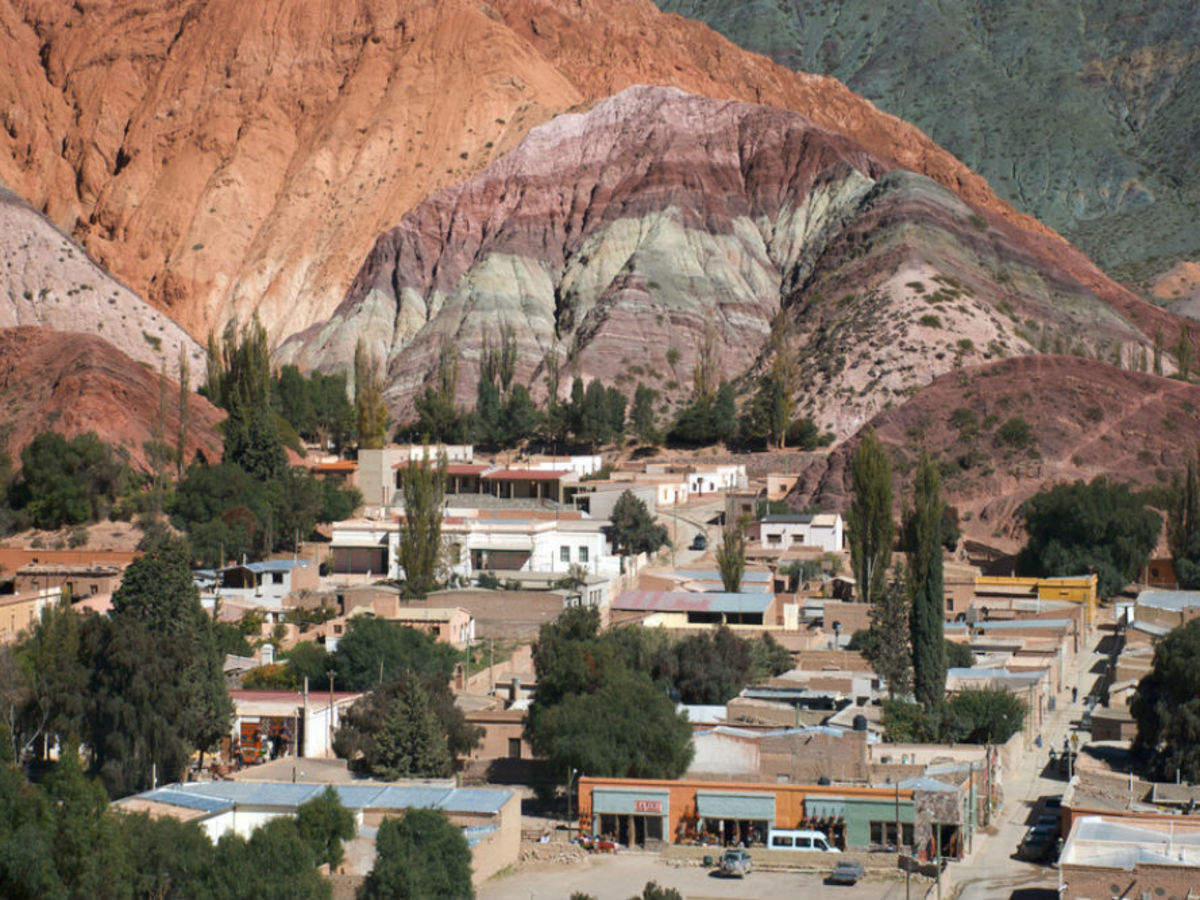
(811,841)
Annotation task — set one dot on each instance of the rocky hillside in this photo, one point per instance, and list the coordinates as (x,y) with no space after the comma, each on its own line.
(1079,112)
(72,383)
(1006,430)
(223,157)
(46,279)
(626,231)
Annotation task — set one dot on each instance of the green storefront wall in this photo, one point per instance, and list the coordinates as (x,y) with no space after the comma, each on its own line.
(858,813)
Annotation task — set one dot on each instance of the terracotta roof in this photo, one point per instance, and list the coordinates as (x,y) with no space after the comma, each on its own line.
(451,468)
(339,465)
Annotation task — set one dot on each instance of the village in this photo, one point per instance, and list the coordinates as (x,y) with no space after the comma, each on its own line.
(801,767)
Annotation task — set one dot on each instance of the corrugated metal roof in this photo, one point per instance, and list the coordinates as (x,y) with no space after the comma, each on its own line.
(924,783)
(1017,624)
(1173,600)
(1149,628)
(787,519)
(223,794)
(689,601)
(270,565)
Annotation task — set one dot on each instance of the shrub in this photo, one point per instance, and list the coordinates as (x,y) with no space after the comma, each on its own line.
(929,320)
(1015,433)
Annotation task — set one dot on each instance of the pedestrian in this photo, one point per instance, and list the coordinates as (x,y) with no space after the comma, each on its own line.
(1074,695)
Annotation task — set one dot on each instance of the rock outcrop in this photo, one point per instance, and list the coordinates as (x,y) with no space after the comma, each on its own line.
(73,383)
(46,279)
(1078,418)
(224,157)
(628,231)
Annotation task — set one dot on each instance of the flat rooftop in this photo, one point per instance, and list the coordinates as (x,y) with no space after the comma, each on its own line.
(690,601)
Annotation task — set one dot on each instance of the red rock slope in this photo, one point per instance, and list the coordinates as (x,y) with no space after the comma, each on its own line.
(222,156)
(1085,419)
(72,383)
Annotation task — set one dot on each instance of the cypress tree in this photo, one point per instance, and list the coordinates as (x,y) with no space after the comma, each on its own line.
(925,585)
(869,520)
(731,557)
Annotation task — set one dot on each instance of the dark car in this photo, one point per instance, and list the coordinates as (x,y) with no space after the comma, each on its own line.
(847,872)
(700,542)
(1038,845)
(736,862)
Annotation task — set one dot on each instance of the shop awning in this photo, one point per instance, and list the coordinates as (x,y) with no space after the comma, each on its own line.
(824,807)
(735,805)
(630,802)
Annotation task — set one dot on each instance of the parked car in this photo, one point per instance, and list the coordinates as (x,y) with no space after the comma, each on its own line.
(736,862)
(789,839)
(700,542)
(1048,820)
(1038,844)
(847,872)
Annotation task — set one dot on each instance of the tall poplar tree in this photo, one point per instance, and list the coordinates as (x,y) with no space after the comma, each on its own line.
(731,557)
(869,520)
(1183,525)
(924,579)
(370,414)
(424,486)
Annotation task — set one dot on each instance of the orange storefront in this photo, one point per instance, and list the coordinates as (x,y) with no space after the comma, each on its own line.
(637,811)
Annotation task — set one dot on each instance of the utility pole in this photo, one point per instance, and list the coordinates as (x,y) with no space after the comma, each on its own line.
(330,750)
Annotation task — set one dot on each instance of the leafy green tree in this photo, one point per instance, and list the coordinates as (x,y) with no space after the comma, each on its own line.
(1183,525)
(157,691)
(633,529)
(628,727)
(768,658)
(370,413)
(711,668)
(374,651)
(985,716)
(641,416)
(394,732)
(615,413)
(275,861)
(241,382)
(53,681)
(959,656)
(594,418)
(488,427)
(309,660)
(924,585)
(887,643)
(1101,527)
(420,548)
(323,824)
(169,858)
(1167,707)
(421,855)
(438,419)
(869,524)
(731,557)
(521,417)
(67,482)
(1183,353)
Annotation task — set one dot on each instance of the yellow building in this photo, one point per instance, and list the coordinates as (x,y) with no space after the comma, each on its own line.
(19,611)
(1070,588)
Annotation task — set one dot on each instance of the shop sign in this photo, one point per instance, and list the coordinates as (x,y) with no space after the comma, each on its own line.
(647,806)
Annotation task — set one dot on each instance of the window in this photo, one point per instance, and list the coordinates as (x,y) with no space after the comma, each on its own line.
(781,841)
(803,843)
(276,578)
(564,554)
(514,748)
(885,833)
(774,538)
(797,539)
(583,554)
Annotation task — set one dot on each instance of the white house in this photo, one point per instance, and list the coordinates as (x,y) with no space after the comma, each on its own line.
(502,543)
(794,530)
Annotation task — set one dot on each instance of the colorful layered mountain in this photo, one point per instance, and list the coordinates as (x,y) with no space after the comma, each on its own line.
(1079,112)
(224,157)
(627,232)
(47,280)
(1003,431)
(74,383)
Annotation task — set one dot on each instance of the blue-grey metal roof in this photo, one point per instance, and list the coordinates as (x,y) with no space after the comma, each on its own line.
(787,518)
(269,565)
(1172,600)
(187,799)
(924,783)
(693,601)
(1149,628)
(223,794)
(973,672)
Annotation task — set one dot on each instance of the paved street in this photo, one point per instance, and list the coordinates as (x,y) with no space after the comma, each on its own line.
(685,522)
(992,870)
